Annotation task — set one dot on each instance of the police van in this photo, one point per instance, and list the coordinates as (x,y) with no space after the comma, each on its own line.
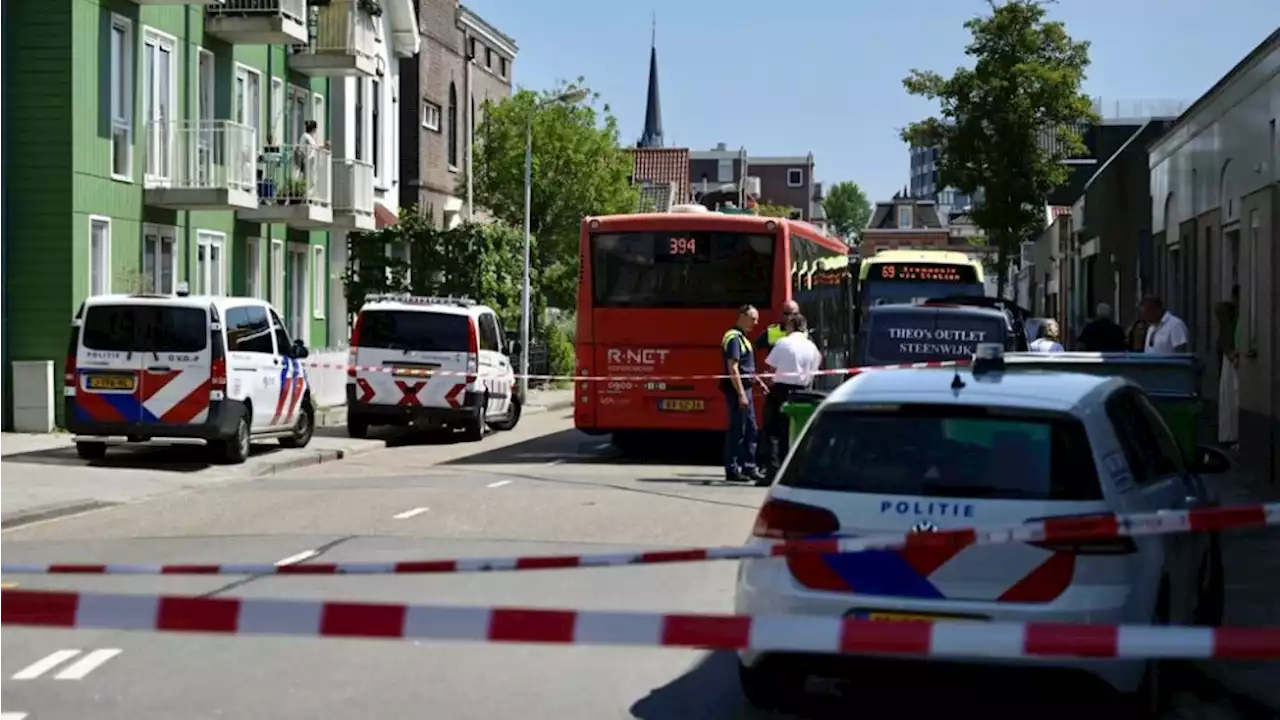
(436,362)
(175,368)
(927,332)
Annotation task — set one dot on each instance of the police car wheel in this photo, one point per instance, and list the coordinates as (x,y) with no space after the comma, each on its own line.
(303,429)
(473,430)
(770,685)
(91,450)
(508,421)
(235,449)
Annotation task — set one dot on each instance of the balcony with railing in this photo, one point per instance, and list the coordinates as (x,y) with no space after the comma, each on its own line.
(343,41)
(200,165)
(295,186)
(353,194)
(258,22)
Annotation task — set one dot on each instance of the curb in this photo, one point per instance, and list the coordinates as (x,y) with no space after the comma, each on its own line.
(50,512)
(314,457)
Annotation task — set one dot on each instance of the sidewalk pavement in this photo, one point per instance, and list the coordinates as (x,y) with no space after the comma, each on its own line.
(1251,560)
(43,477)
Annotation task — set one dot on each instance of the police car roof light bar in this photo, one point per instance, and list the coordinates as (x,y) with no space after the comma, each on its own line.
(419,299)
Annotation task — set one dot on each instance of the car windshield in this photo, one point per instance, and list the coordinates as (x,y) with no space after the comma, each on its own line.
(946,451)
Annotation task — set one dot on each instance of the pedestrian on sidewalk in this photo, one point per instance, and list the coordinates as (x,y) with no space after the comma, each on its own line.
(1047,337)
(1227,314)
(1102,334)
(795,358)
(1166,333)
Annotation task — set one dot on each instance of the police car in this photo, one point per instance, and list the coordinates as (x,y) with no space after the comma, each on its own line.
(921,450)
(432,361)
(175,368)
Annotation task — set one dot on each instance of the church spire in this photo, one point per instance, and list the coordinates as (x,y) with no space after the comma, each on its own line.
(652,136)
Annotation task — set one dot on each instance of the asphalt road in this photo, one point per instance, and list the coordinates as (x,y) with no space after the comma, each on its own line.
(542,488)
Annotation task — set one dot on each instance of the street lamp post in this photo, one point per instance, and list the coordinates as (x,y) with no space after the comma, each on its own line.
(568,98)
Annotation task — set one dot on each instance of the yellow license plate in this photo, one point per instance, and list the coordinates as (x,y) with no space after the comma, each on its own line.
(414,371)
(111,382)
(911,617)
(682,405)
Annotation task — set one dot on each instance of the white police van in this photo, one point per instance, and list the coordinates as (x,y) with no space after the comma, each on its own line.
(905,451)
(430,361)
(174,368)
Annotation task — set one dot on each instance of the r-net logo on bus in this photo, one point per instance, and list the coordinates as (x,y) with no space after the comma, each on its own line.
(642,357)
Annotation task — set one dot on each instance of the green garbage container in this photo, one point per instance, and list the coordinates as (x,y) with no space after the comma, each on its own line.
(799,408)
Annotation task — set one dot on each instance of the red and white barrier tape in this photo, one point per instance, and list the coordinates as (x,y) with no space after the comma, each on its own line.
(1055,530)
(780,633)
(423,372)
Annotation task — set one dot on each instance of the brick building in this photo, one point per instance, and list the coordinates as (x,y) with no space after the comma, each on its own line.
(720,175)
(906,224)
(465,62)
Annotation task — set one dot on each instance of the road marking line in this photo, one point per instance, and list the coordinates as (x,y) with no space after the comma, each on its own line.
(87,664)
(499,484)
(12,715)
(410,513)
(294,559)
(44,665)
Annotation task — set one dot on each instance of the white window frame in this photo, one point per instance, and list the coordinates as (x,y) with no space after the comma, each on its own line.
(377,130)
(319,282)
(292,312)
(253,267)
(905,216)
(431,114)
(277,105)
(277,262)
(724,170)
(319,114)
(103,221)
(164,234)
(162,42)
(795,173)
(253,119)
(297,98)
(210,239)
(122,117)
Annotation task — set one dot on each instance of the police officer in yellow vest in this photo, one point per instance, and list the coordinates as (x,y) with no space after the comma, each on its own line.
(765,454)
(739,371)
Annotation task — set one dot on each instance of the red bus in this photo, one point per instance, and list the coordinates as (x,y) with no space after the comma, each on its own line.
(657,293)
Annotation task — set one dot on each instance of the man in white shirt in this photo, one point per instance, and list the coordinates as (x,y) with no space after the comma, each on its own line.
(1166,333)
(796,358)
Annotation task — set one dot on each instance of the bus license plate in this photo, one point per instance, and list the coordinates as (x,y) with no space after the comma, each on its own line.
(682,405)
(108,381)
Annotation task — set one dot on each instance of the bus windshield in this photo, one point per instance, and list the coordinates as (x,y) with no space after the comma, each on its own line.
(686,269)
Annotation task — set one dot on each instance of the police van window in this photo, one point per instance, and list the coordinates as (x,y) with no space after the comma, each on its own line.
(946,452)
(895,336)
(488,333)
(415,330)
(249,330)
(281,332)
(146,328)
(682,269)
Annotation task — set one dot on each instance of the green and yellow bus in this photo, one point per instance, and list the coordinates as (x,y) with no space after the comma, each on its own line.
(893,277)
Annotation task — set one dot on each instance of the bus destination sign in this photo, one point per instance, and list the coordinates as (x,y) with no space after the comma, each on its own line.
(926,272)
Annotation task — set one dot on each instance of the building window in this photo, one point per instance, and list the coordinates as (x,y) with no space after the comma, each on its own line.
(1255,257)
(502,67)
(319,282)
(247,98)
(159,97)
(253,267)
(904,216)
(375,125)
(724,170)
(210,278)
(121,98)
(298,289)
(159,258)
(474,47)
(795,177)
(275,271)
(453,127)
(299,108)
(430,115)
(277,111)
(488,58)
(99,255)
(319,115)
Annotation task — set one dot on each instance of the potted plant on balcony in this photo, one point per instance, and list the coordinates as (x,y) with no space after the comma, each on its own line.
(293,192)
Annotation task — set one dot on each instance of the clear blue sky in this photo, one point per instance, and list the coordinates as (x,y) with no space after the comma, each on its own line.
(825,75)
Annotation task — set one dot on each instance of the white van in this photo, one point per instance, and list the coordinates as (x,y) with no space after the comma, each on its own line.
(431,361)
(174,368)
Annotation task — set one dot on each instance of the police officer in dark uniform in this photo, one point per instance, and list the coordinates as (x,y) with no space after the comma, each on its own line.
(740,369)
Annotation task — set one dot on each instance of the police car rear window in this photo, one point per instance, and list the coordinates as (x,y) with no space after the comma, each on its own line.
(145,328)
(946,451)
(414,330)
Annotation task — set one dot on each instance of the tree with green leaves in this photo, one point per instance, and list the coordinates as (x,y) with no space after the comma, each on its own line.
(579,169)
(848,210)
(1007,123)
